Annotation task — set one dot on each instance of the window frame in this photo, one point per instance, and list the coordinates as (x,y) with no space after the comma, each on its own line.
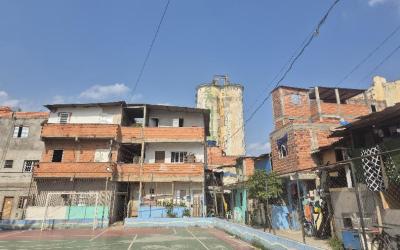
(62,155)
(33,163)
(178,156)
(8,165)
(21,201)
(60,117)
(21,131)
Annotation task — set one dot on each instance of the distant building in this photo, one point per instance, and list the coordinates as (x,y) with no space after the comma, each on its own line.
(225,102)
(383,94)
(20,149)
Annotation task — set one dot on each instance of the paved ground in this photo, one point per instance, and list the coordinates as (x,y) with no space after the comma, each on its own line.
(118,238)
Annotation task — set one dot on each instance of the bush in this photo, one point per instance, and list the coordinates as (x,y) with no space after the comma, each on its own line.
(335,243)
(186,212)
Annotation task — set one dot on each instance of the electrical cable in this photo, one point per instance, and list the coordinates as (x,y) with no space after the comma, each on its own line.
(149,50)
(370,54)
(381,63)
(299,54)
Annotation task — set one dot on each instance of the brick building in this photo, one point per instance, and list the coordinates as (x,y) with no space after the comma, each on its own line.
(20,149)
(136,156)
(304,119)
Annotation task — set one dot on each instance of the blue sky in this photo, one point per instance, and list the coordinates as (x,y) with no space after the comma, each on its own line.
(78,51)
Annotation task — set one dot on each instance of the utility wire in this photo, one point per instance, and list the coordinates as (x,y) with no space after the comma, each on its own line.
(278,74)
(299,54)
(150,49)
(369,55)
(381,63)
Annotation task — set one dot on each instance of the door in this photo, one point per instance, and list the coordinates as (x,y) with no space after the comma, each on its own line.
(7,208)
(159,156)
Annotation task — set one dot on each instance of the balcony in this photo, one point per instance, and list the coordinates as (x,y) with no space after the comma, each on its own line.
(161,172)
(101,131)
(162,134)
(74,169)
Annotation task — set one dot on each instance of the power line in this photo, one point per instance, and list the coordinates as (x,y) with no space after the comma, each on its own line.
(278,74)
(150,49)
(381,63)
(314,34)
(369,55)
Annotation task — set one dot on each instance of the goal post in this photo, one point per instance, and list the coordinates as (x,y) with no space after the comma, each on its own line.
(74,209)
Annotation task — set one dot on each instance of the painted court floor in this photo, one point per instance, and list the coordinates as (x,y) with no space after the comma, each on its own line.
(114,238)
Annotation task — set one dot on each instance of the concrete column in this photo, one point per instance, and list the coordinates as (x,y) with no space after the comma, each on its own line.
(318,102)
(339,112)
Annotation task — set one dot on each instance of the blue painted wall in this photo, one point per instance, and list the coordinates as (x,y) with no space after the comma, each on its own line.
(263,164)
(158,212)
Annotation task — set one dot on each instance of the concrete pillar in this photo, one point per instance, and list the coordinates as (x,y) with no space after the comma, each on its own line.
(318,102)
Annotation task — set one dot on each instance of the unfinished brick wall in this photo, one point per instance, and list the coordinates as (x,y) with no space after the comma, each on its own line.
(215,158)
(76,151)
(248,164)
(290,105)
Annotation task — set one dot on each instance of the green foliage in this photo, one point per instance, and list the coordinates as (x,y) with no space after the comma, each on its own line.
(169,205)
(186,212)
(335,243)
(264,186)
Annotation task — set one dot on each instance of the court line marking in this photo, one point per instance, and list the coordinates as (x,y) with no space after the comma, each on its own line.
(194,236)
(98,235)
(2,235)
(133,240)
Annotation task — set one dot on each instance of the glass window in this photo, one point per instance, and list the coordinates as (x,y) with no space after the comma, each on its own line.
(21,132)
(178,156)
(8,164)
(28,165)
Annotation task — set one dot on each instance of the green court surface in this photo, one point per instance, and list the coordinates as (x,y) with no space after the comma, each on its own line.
(114,238)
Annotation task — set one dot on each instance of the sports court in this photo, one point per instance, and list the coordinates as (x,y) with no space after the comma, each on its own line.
(118,238)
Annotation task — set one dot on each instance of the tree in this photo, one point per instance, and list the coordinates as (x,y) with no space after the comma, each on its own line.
(265,187)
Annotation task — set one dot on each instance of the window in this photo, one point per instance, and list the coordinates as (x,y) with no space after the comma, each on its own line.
(282,146)
(22,201)
(154,122)
(64,117)
(295,98)
(178,156)
(177,122)
(151,190)
(8,164)
(21,132)
(159,156)
(57,155)
(373,108)
(28,165)
(102,155)
(241,199)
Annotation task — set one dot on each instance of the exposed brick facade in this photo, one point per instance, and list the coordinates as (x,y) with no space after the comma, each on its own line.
(216,158)
(307,123)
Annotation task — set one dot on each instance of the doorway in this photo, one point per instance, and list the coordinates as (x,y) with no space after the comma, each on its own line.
(7,208)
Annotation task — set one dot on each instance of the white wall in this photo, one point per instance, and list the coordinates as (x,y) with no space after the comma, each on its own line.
(37,213)
(109,115)
(165,118)
(191,147)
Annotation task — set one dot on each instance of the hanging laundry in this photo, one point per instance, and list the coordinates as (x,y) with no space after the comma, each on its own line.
(372,166)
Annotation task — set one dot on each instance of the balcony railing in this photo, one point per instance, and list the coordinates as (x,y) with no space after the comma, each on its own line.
(162,134)
(158,172)
(103,131)
(74,169)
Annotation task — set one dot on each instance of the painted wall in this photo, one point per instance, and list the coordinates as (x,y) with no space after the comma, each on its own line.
(14,182)
(165,117)
(225,103)
(190,147)
(240,206)
(109,115)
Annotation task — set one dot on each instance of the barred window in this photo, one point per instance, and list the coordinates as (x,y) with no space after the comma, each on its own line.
(22,200)
(28,165)
(178,156)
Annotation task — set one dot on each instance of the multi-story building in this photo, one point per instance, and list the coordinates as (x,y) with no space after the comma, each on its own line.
(137,157)
(225,102)
(20,149)
(304,119)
